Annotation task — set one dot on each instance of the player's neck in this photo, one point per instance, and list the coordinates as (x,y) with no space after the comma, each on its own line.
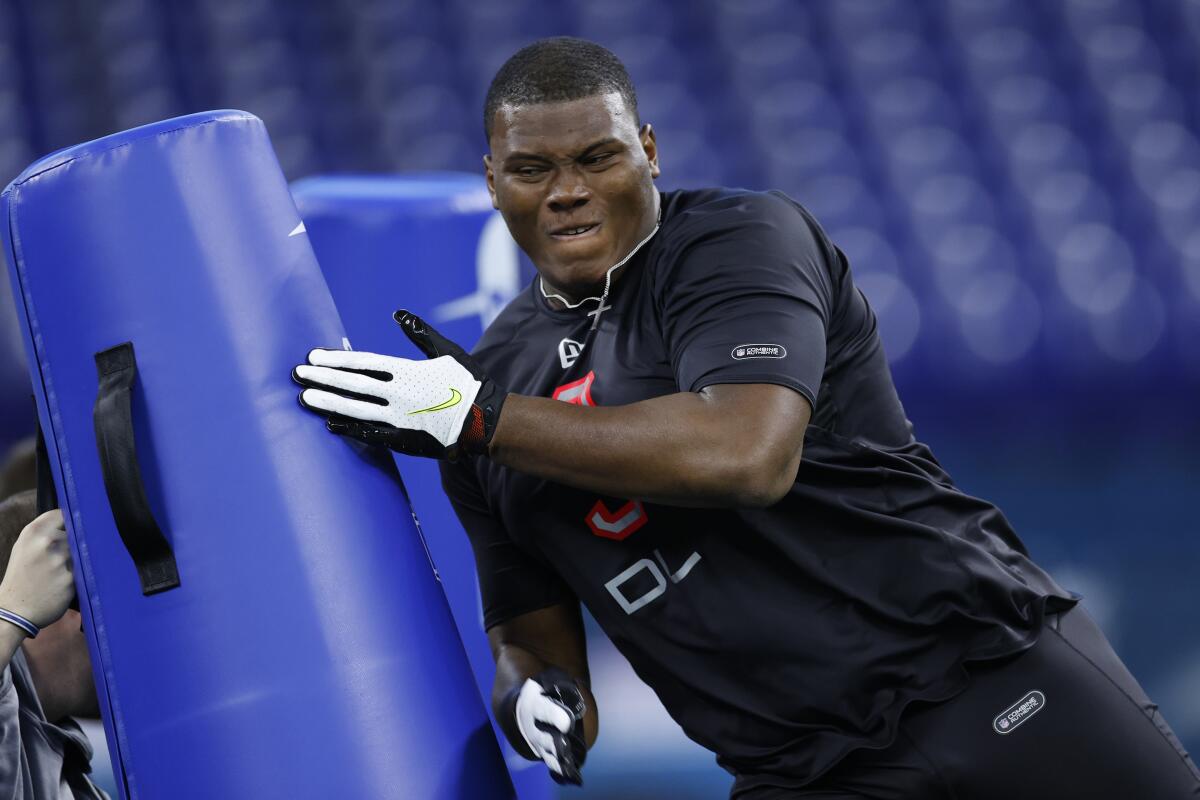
(560,298)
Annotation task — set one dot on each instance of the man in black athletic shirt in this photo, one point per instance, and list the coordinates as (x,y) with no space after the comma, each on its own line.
(687,423)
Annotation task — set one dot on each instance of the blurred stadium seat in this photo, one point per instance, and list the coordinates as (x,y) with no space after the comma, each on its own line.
(1017,185)
(913,120)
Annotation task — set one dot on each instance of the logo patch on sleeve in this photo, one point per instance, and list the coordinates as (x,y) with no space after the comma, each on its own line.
(744,351)
(1019,712)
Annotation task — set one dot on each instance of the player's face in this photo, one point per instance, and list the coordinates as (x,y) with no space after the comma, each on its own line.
(575,182)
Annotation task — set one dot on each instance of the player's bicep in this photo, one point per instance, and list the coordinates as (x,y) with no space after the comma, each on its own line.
(769,414)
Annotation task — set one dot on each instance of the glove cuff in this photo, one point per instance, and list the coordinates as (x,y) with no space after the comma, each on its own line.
(480,424)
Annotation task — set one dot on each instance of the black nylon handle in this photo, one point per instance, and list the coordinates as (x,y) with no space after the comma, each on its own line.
(47,494)
(113,418)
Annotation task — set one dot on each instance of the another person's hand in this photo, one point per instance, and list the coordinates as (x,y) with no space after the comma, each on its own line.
(549,711)
(436,408)
(38,584)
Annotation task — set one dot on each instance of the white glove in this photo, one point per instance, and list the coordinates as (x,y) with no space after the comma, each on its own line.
(549,713)
(430,397)
(429,408)
(38,583)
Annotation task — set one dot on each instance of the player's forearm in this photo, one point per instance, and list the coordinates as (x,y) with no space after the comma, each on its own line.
(515,664)
(679,449)
(10,639)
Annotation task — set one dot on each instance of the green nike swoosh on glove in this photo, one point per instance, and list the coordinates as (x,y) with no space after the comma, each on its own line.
(455,398)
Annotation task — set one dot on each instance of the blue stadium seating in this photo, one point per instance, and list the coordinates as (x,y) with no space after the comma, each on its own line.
(1016,184)
(1039,124)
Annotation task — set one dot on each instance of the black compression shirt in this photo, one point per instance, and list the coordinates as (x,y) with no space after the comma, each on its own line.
(779,638)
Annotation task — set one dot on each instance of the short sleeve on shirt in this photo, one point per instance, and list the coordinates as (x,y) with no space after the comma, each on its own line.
(746,295)
(511,581)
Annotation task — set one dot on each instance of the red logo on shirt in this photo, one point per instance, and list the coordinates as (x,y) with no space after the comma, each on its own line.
(619,524)
(578,392)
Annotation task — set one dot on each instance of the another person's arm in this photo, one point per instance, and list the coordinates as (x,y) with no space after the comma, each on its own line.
(38,583)
(10,639)
(62,670)
(38,586)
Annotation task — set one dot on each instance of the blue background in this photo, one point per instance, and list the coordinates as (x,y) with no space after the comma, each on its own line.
(1017,186)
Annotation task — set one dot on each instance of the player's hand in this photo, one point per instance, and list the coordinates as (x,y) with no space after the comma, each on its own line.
(436,408)
(38,583)
(549,712)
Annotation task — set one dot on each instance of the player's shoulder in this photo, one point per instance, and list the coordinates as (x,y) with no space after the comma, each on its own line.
(691,212)
(710,231)
(757,221)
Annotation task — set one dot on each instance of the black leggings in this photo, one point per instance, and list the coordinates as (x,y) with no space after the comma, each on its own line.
(1063,720)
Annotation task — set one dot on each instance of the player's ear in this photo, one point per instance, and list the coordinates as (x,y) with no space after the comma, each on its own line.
(650,148)
(490,175)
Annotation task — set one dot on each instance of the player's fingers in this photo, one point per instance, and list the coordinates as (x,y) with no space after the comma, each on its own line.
(329,403)
(58,540)
(425,337)
(52,519)
(554,714)
(348,359)
(328,377)
(367,433)
(544,742)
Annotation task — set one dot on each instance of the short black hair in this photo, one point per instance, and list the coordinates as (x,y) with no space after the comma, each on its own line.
(555,70)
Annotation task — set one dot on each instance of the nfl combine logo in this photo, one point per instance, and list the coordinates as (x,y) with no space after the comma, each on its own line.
(758,351)
(1015,715)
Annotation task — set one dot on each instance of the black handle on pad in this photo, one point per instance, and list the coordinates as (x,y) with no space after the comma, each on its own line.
(113,417)
(47,493)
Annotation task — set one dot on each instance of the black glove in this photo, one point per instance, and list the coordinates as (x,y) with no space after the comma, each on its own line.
(546,711)
(436,408)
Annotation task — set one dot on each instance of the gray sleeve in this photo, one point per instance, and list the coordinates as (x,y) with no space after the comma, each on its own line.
(11,771)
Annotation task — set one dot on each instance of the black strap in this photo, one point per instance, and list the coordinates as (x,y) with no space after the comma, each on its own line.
(113,418)
(47,493)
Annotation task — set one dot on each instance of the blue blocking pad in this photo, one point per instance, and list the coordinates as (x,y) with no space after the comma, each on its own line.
(285,634)
(430,243)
